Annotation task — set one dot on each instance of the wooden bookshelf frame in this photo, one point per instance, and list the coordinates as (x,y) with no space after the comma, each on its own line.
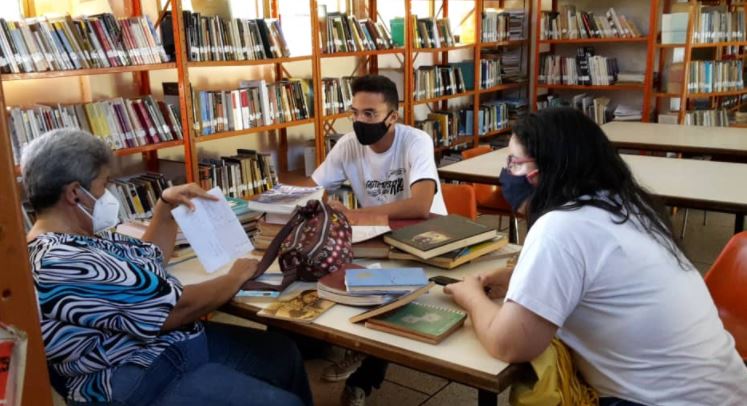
(685,95)
(647,40)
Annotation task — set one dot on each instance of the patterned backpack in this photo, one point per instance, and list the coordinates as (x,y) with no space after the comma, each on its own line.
(314,242)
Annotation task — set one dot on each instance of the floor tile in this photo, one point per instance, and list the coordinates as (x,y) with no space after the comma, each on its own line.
(391,393)
(413,379)
(458,394)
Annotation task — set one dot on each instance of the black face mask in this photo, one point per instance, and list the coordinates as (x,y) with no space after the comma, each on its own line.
(370,133)
(515,188)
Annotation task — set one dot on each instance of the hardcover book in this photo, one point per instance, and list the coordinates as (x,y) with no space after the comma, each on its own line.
(391,280)
(439,236)
(427,323)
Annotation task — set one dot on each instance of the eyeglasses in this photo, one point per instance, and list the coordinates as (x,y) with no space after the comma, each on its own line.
(513,162)
(365,115)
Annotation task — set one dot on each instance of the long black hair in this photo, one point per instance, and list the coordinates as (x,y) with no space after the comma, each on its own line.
(575,159)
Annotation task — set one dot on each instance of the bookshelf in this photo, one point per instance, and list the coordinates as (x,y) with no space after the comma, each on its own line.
(691,52)
(477,95)
(637,47)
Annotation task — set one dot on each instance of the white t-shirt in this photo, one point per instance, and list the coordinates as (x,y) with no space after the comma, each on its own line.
(383,178)
(641,328)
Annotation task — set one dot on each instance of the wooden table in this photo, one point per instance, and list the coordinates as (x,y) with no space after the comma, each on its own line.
(692,183)
(723,142)
(460,357)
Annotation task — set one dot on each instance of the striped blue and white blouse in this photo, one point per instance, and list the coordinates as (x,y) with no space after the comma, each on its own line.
(103,301)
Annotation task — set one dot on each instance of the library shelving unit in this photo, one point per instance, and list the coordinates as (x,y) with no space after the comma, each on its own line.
(367,61)
(441,56)
(279,72)
(645,42)
(714,50)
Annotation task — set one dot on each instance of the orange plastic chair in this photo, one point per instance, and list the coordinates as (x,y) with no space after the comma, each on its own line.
(727,281)
(460,199)
(490,200)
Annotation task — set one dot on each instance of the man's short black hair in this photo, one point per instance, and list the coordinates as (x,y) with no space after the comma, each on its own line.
(378,84)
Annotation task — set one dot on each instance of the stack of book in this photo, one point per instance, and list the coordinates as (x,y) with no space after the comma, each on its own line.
(439,236)
(245,174)
(457,257)
(122,123)
(358,286)
(432,33)
(585,69)
(439,80)
(715,76)
(337,94)
(627,113)
(346,33)
(98,41)
(570,24)
(500,25)
(254,104)
(492,116)
(279,202)
(345,195)
(708,118)
(212,38)
(718,24)
(449,158)
(248,218)
(511,65)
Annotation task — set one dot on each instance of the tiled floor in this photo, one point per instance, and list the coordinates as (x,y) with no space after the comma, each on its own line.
(407,387)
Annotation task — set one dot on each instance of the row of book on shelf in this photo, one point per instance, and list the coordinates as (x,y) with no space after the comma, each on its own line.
(568,23)
(438,80)
(337,94)
(715,76)
(431,32)
(346,33)
(447,126)
(66,43)
(254,104)
(122,123)
(595,107)
(213,38)
(712,24)
(502,25)
(583,69)
(245,174)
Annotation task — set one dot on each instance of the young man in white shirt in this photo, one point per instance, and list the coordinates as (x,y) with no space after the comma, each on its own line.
(392,171)
(390,166)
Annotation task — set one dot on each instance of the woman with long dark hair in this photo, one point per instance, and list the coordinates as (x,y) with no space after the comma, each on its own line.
(601,270)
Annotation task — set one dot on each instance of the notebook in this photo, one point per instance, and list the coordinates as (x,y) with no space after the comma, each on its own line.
(401,301)
(422,322)
(385,280)
(439,236)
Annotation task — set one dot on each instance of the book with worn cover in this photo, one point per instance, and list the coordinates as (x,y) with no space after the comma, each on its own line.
(422,322)
(401,301)
(439,236)
(332,287)
(304,308)
(385,280)
(460,256)
(283,199)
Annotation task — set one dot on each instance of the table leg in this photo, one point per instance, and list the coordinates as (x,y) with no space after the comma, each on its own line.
(739,223)
(486,398)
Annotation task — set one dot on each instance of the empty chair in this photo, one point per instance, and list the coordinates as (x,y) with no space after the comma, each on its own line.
(460,199)
(727,282)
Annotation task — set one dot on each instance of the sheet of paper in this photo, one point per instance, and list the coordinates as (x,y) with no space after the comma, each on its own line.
(363,233)
(213,231)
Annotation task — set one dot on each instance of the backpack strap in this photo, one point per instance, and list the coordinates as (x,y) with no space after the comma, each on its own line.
(297,217)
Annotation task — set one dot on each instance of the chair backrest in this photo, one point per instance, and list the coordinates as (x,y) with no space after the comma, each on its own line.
(473,152)
(727,282)
(460,199)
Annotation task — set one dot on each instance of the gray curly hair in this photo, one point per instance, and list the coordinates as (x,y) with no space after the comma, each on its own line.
(58,158)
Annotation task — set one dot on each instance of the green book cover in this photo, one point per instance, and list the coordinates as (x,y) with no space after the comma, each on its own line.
(422,319)
(397,28)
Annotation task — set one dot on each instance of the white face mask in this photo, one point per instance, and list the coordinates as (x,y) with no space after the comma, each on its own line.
(105,211)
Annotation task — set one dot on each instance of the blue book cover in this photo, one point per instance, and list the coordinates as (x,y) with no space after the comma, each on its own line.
(388,279)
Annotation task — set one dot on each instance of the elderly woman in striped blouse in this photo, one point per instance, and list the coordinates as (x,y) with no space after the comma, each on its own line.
(117,328)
